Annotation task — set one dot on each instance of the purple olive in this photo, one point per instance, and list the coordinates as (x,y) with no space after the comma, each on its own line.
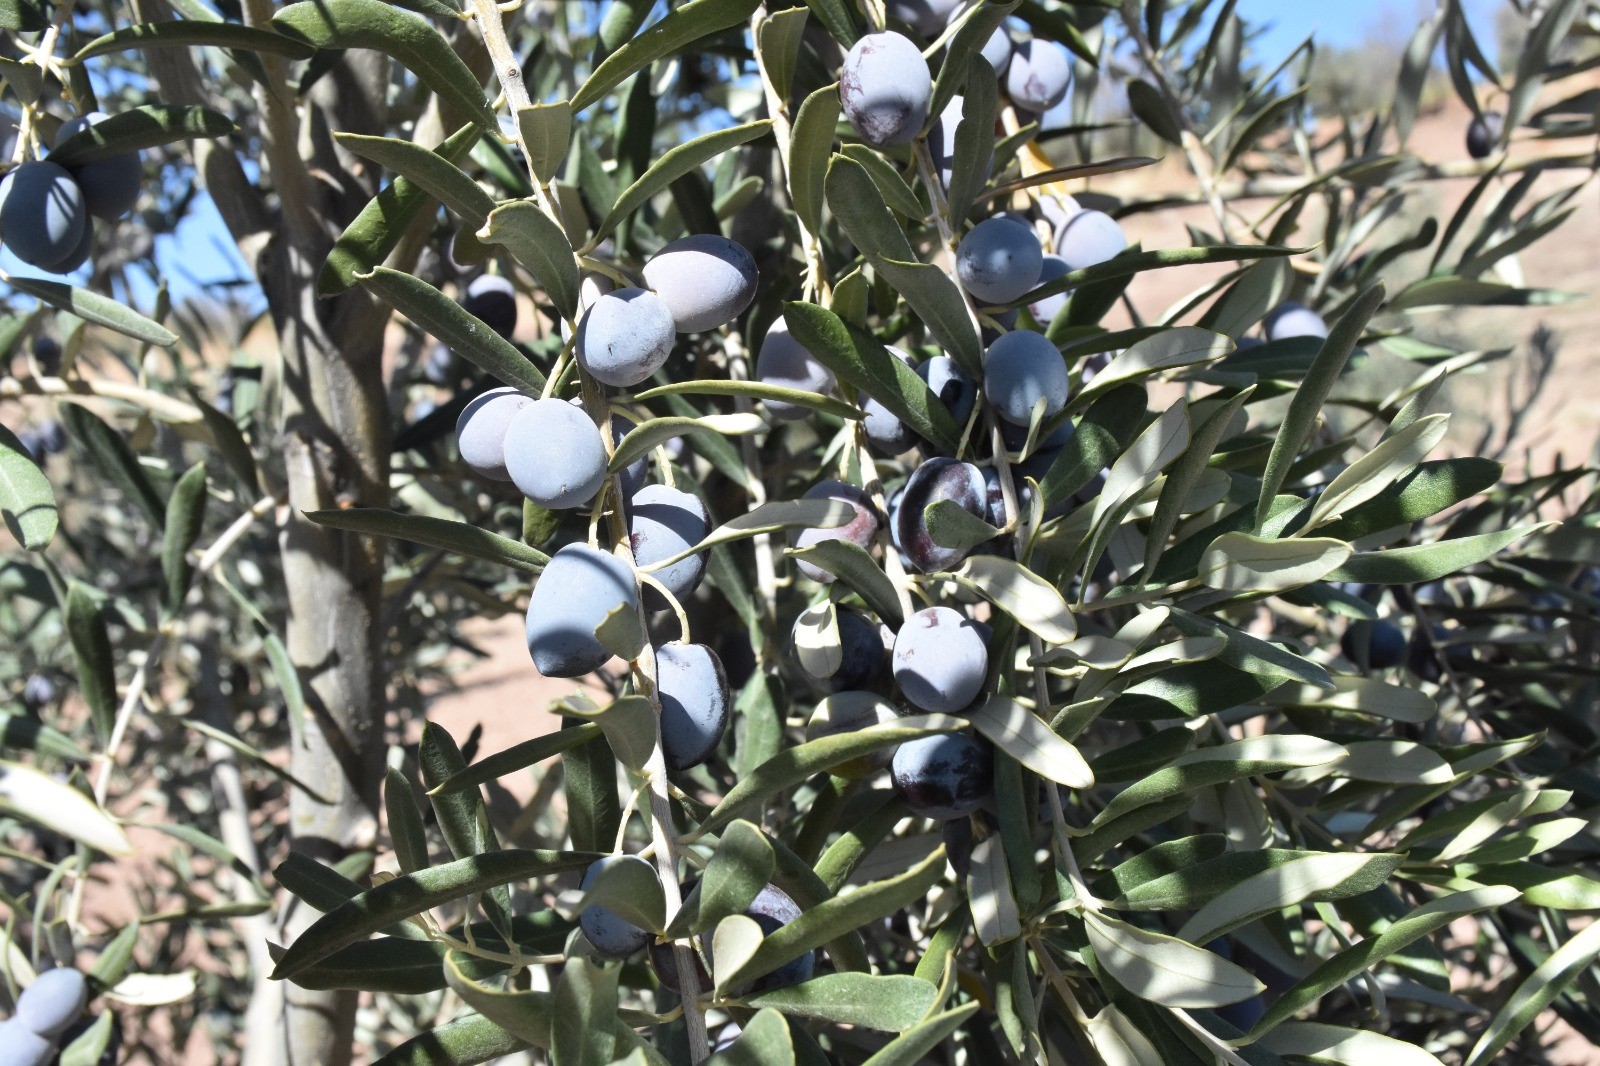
(1380,644)
(611,934)
(555,454)
(21,1046)
(110,186)
(1019,370)
(861,652)
(952,385)
(625,336)
(861,530)
(945,776)
(999,259)
(940,478)
(705,279)
(1485,133)
(664,521)
(1038,75)
(43,216)
(578,590)
(784,361)
(883,429)
(772,909)
(53,1001)
(847,712)
(481,431)
(1087,239)
(493,299)
(1290,319)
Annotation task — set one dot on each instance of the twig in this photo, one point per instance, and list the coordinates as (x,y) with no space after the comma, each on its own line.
(1194,151)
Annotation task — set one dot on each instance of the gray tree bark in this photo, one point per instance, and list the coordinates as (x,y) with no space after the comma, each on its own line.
(335,445)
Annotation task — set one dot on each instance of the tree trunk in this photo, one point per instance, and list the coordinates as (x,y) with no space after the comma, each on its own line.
(336,454)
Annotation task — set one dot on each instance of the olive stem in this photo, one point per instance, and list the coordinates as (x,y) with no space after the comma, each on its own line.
(663,836)
(492,25)
(163,407)
(1200,162)
(766,573)
(816,283)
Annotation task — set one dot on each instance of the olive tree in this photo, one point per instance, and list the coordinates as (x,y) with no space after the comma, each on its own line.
(985,664)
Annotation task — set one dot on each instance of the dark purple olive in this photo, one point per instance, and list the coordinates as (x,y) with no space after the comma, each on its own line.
(944,776)
(861,652)
(940,478)
(772,909)
(1485,133)
(1380,644)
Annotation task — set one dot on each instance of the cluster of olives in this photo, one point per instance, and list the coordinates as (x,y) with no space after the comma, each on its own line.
(553,452)
(886,86)
(550,448)
(938,660)
(46,1011)
(47,211)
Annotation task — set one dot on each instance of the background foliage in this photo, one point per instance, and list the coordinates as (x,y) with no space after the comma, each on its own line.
(231,589)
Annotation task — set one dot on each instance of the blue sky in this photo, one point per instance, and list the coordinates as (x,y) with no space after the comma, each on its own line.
(1346,22)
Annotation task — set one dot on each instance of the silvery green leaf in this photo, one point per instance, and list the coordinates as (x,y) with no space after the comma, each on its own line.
(1165,969)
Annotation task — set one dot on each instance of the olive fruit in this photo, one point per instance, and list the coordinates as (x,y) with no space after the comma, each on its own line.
(952,385)
(625,336)
(945,776)
(1089,238)
(772,909)
(885,89)
(611,934)
(939,478)
(43,217)
(1381,644)
(927,17)
(111,185)
(1484,134)
(663,521)
(555,454)
(1045,309)
(784,361)
(883,428)
(1038,76)
(861,530)
(694,703)
(705,279)
(847,711)
(493,299)
(481,430)
(940,660)
(999,259)
(21,1046)
(1019,370)
(579,588)
(861,652)
(53,1001)
(1290,319)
